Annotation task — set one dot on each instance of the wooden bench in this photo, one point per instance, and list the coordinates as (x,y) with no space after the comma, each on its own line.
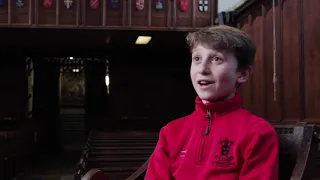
(299,145)
(298,151)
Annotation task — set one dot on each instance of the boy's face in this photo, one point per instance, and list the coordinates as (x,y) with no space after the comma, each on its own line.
(215,74)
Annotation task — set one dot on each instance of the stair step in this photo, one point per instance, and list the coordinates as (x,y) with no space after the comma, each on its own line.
(107,164)
(125,140)
(120,152)
(123,148)
(116,159)
(124,157)
(119,155)
(122,144)
(128,169)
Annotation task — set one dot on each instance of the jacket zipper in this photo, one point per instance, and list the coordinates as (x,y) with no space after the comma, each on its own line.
(206,133)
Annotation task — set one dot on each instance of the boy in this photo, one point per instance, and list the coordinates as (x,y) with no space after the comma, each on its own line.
(220,140)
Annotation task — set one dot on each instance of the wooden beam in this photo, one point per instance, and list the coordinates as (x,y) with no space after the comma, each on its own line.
(30,14)
(193,13)
(9,12)
(149,13)
(78,13)
(129,12)
(57,12)
(169,15)
(104,12)
(37,13)
(83,10)
(174,13)
(124,5)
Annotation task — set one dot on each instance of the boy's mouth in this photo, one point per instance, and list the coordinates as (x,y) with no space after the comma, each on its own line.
(205,82)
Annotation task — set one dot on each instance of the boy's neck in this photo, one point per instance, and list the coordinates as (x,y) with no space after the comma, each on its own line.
(220,99)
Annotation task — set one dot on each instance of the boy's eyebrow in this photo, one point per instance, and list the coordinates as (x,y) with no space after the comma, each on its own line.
(212,53)
(193,50)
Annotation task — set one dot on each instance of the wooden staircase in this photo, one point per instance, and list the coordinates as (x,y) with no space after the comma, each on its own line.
(72,125)
(119,154)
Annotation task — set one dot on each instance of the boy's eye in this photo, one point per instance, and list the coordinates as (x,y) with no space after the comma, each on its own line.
(196,58)
(217,59)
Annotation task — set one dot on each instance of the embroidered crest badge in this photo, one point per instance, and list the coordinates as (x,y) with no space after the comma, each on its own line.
(224,159)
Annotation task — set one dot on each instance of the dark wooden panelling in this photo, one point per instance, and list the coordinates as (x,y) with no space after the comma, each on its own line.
(258,73)
(246,88)
(203,18)
(115,17)
(160,18)
(296,60)
(290,58)
(68,16)
(93,17)
(184,19)
(311,48)
(273,99)
(4,14)
(139,17)
(20,15)
(46,15)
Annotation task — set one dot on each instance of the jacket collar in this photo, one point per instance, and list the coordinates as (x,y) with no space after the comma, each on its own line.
(218,108)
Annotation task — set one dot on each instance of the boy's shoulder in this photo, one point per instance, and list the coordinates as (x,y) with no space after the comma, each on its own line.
(257,124)
(180,124)
(184,120)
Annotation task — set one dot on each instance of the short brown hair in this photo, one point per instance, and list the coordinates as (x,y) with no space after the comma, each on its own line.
(227,38)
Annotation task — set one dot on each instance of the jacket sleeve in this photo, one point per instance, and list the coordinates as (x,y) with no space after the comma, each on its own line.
(261,156)
(159,164)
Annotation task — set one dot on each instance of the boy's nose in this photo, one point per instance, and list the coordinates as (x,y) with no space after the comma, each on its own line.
(204,68)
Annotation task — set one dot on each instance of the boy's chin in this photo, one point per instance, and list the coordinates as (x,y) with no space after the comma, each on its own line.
(212,98)
(208,98)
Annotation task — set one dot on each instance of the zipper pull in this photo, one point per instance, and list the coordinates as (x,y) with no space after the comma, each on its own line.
(209,115)
(209,123)
(207,131)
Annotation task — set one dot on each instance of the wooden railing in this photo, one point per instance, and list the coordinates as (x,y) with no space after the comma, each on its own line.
(118,155)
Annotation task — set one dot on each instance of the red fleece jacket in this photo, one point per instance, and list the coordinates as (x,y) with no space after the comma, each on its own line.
(218,141)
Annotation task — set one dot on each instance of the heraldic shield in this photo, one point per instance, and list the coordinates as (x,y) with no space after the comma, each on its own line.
(139,4)
(47,3)
(94,4)
(184,5)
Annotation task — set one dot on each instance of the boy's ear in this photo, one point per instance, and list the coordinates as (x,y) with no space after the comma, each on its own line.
(244,74)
